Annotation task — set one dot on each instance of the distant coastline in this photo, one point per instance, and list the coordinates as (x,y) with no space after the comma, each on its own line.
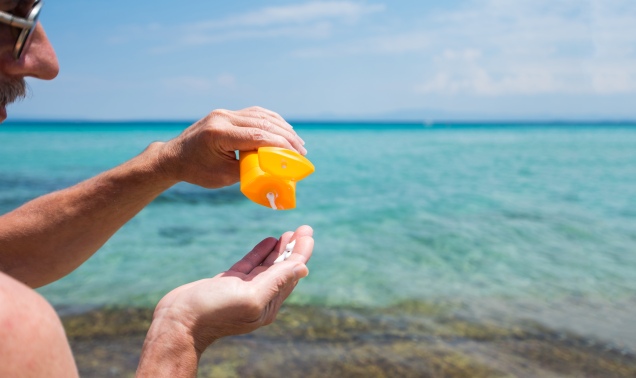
(326,124)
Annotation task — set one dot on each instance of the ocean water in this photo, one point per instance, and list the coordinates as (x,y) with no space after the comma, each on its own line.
(532,220)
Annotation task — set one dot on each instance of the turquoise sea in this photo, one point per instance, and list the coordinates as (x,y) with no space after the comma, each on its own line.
(528,220)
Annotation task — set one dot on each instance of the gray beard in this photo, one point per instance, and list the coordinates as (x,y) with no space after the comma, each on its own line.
(12,90)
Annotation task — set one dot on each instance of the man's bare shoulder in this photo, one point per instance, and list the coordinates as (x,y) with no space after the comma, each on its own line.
(33,339)
(17,298)
(14,296)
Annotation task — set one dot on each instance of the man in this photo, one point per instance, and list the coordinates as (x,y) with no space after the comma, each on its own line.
(50,236)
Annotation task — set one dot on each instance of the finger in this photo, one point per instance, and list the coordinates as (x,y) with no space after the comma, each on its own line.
(278,126)
(259,112)
(279,249)
(277,301)
(302,250)
(255,257)
(301,254)
(278,280)
(271,125)
(281,122)
(285,239)
(251,138)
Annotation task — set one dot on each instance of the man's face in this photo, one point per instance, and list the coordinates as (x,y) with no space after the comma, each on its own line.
(11,88)
(37,60)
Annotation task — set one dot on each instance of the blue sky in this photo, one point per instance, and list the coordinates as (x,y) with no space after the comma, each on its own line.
(372,60)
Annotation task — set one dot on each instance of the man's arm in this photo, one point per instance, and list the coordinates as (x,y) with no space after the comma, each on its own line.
(186,321)
(50,236)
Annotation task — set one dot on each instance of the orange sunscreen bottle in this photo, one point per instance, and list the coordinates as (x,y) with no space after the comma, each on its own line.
(269,176)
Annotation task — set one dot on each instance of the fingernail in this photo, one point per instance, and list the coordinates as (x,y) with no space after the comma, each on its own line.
(303,150)
(301,271)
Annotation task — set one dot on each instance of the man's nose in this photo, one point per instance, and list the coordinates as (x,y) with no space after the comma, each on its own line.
(38,58)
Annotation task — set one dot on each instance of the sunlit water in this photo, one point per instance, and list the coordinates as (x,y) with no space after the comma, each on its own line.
(519,218)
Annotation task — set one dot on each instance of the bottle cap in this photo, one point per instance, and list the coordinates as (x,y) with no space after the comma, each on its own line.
(269,176)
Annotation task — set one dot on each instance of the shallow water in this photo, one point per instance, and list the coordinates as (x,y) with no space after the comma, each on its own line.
(536,221)
(408,340)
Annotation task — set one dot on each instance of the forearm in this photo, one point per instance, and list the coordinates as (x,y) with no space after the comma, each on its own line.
(50,236)
(168,351)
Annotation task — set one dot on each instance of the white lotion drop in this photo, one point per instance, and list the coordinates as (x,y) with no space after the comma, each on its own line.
(286,253)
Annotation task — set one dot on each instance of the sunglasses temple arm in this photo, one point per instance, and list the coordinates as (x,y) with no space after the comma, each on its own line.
(17,22)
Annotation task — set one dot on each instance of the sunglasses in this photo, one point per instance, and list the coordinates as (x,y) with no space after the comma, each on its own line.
(26,25)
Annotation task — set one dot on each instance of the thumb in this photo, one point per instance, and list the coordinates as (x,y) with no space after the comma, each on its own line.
(280,279)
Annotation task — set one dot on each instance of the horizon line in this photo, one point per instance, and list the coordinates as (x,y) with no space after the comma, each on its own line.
(425,122)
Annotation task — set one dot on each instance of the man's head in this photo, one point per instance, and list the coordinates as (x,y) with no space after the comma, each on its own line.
(20,57)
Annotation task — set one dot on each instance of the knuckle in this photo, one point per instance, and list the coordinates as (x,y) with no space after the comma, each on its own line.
(219,113)
(264,124)
(258,135)
(260,112)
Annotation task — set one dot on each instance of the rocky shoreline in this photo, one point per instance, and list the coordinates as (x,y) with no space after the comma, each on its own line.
(409,340)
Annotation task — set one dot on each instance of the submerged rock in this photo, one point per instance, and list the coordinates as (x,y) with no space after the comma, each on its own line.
(407,340)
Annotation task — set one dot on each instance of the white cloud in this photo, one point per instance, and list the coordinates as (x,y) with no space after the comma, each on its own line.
(499,47)
(227,81)
(294,14)
(309,20)
(199,84)
(385,44)
(609,80)
(463,72)
(188,84)
(481,47)
(317,30)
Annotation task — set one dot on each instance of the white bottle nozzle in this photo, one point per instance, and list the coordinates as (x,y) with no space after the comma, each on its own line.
(271,196)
